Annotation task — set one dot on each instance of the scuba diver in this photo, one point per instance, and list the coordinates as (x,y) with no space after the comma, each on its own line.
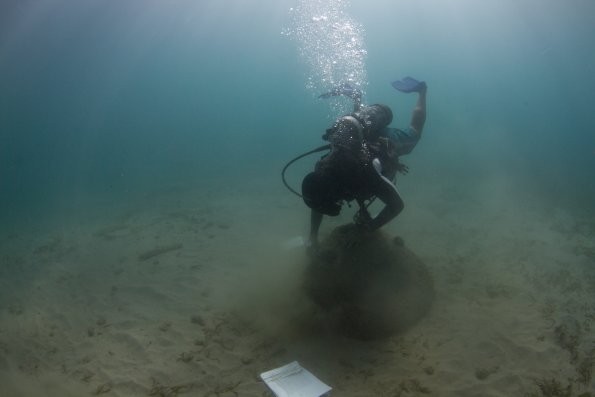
(363,160)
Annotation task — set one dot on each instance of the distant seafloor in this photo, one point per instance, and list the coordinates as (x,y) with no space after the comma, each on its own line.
(143,218)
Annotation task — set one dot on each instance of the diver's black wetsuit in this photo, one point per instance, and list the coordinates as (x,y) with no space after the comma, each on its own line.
(347,176)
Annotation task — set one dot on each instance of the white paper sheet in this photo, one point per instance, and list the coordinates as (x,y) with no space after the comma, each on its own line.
(292,380)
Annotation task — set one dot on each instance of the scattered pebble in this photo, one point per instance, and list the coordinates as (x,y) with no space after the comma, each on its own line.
(186,357)
(102,389)
(398,241)
(247,360)
(165,326)
(483,373)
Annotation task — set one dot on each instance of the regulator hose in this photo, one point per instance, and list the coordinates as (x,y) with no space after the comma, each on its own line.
(318,149)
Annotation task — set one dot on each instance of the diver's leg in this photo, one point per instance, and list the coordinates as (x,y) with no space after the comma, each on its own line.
(388,194)
(418,118)
(315,221)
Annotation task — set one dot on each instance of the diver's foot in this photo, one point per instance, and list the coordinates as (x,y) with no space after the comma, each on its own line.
(312,247)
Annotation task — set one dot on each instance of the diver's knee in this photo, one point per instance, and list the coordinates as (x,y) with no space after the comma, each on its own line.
(400,206)
(396,207)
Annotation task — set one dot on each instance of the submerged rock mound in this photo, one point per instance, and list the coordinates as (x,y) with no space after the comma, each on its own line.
(369,285)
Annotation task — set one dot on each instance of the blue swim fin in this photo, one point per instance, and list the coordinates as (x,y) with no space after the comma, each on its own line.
(347,90)
(344,89)
(408,84)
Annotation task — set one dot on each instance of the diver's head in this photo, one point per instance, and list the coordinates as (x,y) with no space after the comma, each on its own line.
(374,118)
(318,194)
(383,114)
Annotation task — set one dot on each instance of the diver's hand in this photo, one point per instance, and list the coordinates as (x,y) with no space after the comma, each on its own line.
(423,88)
(403,169)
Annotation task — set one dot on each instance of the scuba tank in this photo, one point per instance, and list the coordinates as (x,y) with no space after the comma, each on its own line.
(364,124)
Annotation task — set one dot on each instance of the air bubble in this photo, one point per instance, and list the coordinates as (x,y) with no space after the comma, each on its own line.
(331,44)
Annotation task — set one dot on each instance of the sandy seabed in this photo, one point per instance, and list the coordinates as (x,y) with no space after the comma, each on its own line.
(193,293)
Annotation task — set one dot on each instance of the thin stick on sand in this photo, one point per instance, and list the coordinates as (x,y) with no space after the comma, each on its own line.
(158,251)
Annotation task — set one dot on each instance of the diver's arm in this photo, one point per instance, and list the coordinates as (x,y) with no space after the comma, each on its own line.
(388,194)
(418,118)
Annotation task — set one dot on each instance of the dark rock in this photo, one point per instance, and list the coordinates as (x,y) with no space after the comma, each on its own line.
(369,285)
